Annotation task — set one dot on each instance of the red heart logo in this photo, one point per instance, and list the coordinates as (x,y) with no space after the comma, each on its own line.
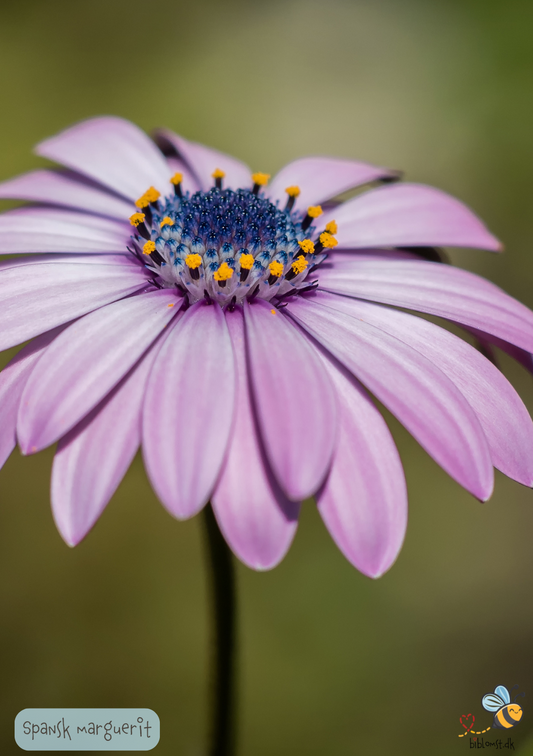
(467,720)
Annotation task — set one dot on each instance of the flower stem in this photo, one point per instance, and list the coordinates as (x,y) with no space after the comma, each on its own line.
(223,662)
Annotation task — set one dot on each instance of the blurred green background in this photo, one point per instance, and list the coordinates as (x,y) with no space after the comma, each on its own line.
(331,663)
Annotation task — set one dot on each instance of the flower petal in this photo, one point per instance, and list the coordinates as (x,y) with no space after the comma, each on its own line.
(12,381)
(501,413)
(188,410)
(321,178)
(520,355)
(65,189)
(402,215)
(204,160)
(294,399)
(437,289)
(364,500)
(112,151)
(257,521)
(39,229)
(125,260)
(36,298)
(85,363)
(93,457)
(421,396)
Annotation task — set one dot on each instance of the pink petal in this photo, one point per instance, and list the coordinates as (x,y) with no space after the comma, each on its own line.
(112,151)
(204,160)
(402,215)
(38,298)
(321,178)
(86,362)
(488,341)
(257,521)
(39,229)
(294,399)
(437,289)
(66,189)
(501,413)
(364,500)
(421,396)
(12,381)
(188,410)
(93,457)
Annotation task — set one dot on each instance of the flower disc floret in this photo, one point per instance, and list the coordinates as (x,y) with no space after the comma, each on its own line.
(327,240)
(137,218)
(224,273)
(307,246)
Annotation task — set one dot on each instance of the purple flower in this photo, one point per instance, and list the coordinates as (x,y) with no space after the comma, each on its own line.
(222,322)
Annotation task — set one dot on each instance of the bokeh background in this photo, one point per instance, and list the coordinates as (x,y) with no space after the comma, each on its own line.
(331,663)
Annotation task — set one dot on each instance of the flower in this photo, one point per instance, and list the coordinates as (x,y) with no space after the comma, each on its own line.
(234,326)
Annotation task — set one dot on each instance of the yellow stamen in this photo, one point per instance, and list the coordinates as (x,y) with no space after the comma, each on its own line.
(223,273)
(150,195)
(142,202)
(327,240)
(137,218)
(261,179)
(246,261)
(218,174)
(193,261)
(148,248)
(300,264)
(177,178)
(293,191)
(331,227)
(314,211)
(166,222)
(171,304)
(273,312)
(307,246)
(276,269)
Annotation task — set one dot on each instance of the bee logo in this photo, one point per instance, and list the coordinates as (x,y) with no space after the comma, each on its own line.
(507,713)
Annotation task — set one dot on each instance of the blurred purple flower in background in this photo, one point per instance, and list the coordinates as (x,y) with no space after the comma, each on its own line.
(233,327)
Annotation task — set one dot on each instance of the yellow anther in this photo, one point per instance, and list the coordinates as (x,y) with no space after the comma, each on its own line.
(293,191)
(307,246)
(327,240)
(276,269)
(166,222)
(193,261)
(137,218)
(223,273)
(218,174)
(150,195)
(177,178)
(273,312)
(314,211)
(300,264)
(142,202)
(246,261)
(148,248)
(261,179)
(331,227)
(171,304)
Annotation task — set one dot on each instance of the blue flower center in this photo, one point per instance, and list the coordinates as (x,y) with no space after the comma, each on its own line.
(224,245)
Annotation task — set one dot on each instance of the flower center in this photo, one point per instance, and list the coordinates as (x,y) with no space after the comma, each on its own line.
(227,245)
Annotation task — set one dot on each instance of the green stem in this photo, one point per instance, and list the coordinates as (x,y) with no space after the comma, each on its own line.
(223,674)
